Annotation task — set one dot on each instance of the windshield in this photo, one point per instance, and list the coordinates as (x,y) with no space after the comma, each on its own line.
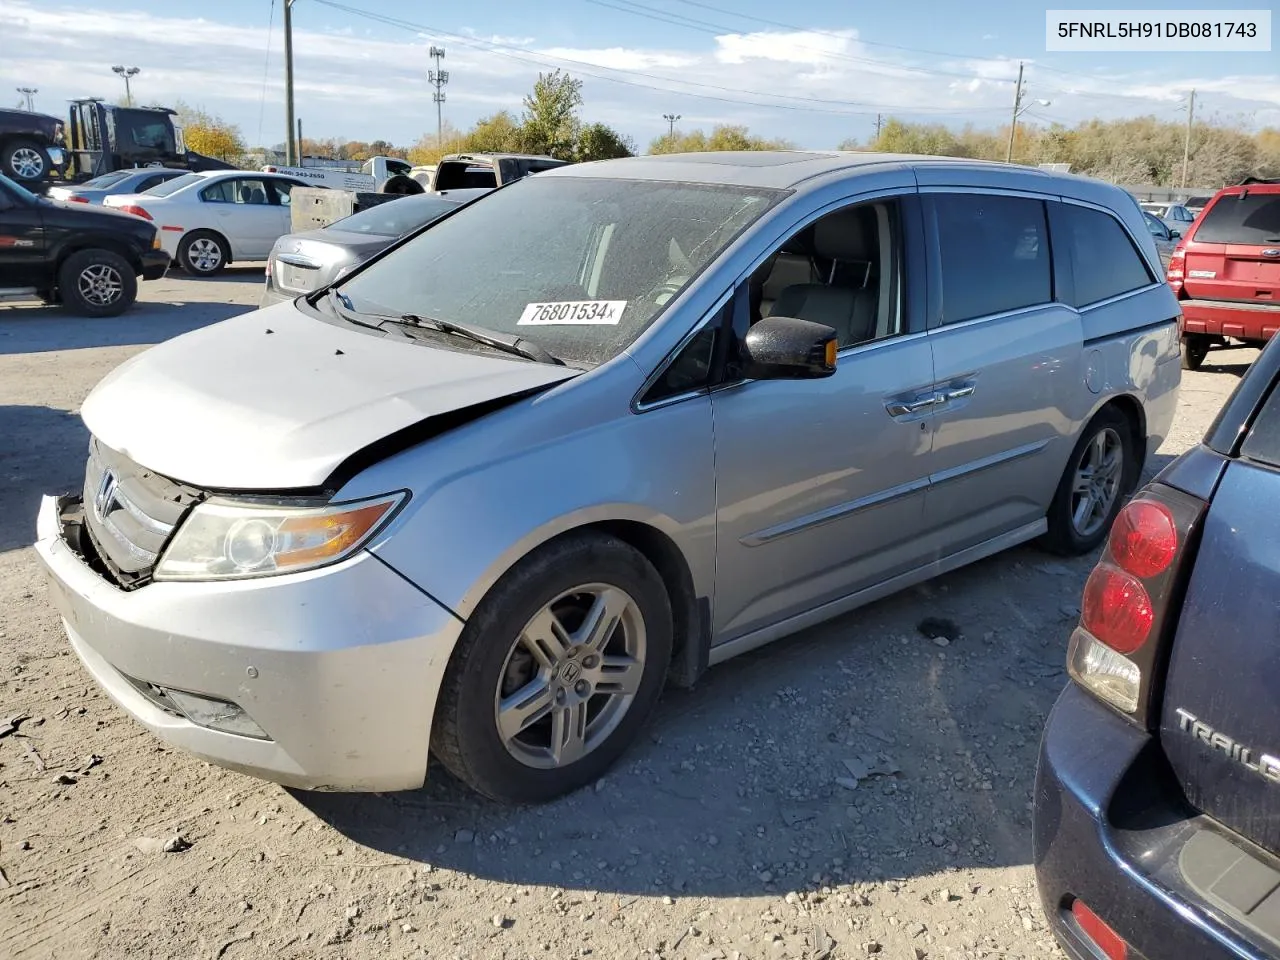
(395,218)
(581,266)
(1242,218)
(174,185)
(107,179)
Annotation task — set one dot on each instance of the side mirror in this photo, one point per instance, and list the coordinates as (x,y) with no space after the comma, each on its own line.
(1174,234)
(788,348)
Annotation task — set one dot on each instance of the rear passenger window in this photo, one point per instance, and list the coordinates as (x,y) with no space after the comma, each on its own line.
(1105,261)
(995,254)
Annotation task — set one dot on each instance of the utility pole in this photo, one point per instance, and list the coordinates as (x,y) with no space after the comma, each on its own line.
(28,93)
(291,146)
(671,119)
(879,124)
(1186,143)
(126,74)
(299,141)
(1017,108)
(438,78)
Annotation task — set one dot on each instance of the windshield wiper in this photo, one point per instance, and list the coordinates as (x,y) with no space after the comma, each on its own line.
(515,345)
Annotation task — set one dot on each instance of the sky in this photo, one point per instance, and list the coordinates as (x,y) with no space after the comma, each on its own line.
(815,72)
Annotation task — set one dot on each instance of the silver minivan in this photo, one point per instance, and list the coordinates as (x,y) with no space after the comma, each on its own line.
(595,431)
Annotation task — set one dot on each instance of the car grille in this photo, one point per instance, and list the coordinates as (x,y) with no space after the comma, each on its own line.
(130,513)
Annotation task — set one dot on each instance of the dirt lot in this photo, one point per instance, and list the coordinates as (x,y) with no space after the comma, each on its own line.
(725,833)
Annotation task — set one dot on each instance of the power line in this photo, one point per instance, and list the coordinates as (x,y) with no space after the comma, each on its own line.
(547,60)
(266,65)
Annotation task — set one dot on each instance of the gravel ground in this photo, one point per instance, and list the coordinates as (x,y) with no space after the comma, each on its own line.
(735,829)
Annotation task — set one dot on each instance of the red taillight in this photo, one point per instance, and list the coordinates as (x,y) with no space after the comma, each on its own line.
(136,211)
(1127,603)
(1109,943)
(76,199)
(1177,267)
(1144,539)
(1116,609)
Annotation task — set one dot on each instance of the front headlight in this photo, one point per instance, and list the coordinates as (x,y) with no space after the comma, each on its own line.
(228,539)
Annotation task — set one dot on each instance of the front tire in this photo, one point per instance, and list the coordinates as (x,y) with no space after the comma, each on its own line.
(25,161)
(97,283)
(203,253)
(556,672)
(1195,347)
(1102,471)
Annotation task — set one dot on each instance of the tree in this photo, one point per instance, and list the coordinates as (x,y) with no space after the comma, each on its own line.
(723,137)
(209,134)
(499,133)
(598,141)
(550,122)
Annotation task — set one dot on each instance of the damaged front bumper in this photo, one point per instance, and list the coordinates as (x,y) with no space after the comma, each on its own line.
(336,668)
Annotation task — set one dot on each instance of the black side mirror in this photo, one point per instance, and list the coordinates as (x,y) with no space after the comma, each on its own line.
(788,348)
(1174,234)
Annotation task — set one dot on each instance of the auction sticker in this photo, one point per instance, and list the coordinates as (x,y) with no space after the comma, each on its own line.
(572,313)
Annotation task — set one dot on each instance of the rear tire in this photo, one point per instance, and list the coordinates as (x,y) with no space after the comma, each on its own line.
(506,699)
(1195,347)
(25,160)
(203,253)
(97,283)
(1102,471)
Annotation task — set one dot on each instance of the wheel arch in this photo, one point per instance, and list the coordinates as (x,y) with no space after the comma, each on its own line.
(79,244)
(1131,409)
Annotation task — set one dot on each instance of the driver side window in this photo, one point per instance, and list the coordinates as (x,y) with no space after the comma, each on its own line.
(844,271)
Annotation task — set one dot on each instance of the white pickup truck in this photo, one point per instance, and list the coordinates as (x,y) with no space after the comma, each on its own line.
(373,175)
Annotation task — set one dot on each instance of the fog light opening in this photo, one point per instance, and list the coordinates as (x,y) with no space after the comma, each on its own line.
(221,715)
(1097,934)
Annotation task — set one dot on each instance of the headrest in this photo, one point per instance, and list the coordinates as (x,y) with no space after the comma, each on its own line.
(849,235)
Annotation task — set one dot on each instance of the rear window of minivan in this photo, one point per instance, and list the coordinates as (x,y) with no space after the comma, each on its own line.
(1249,218)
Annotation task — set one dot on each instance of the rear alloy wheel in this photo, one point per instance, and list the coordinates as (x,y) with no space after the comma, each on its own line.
(1102,470)
(1195,348)
(556,672)
(97,283)
(25,160)
(202,253)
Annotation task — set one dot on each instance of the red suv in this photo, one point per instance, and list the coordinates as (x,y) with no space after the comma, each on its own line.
(1226,270)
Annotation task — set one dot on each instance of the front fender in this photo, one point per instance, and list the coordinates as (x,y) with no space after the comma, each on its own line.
(491,492)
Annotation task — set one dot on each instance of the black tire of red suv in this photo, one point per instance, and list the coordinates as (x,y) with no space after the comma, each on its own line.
(97,283)
(1195,347)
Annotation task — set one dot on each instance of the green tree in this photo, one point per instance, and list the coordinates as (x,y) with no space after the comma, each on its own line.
(499,133)
(598,141)
(722,137)
(550,122)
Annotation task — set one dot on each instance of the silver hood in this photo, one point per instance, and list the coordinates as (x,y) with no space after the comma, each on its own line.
(276,399)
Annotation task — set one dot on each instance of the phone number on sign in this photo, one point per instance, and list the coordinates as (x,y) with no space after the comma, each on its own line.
(1160,29)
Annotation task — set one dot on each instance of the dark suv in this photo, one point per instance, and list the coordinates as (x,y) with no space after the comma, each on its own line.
(1226,270)
(1157,803)
(86,257)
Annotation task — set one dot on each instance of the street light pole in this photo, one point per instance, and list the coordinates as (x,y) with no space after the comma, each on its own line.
(1013,124)
(28,93)
(291,145)
(671,119)
(126,74)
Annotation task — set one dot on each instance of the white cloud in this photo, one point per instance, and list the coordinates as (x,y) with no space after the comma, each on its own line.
(813,87)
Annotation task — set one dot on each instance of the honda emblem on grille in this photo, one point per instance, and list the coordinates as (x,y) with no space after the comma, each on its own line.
(105,498)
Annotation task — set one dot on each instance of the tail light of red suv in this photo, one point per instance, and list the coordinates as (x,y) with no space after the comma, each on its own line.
(1176,273)
(1131,600)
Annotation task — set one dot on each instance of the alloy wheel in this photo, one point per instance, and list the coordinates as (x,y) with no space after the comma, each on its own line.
(100,284)
(1097,481)
(204,254)
(571,676)
(26,163)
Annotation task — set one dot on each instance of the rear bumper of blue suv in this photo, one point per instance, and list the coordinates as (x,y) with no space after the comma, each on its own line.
(1113,830)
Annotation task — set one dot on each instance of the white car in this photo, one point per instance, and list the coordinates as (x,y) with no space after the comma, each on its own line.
(208,220)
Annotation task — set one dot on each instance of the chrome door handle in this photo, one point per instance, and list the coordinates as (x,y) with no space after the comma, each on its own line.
(958,393)
(902,408)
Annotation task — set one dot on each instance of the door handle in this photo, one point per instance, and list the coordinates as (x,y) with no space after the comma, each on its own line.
(904,408)
(958,393)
